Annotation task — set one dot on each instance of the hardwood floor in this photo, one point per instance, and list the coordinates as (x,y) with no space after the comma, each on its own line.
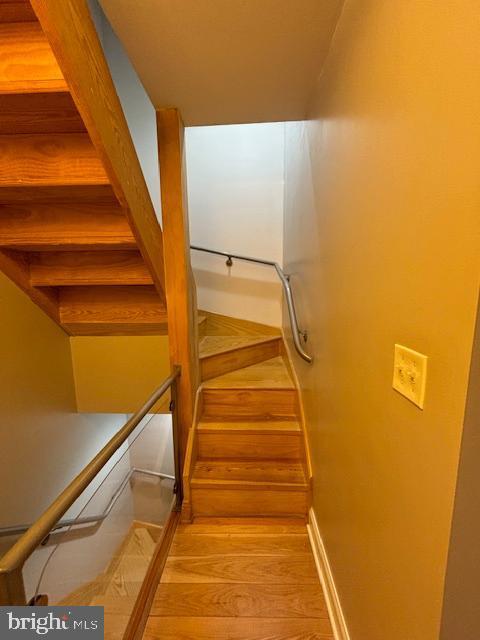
(239,579)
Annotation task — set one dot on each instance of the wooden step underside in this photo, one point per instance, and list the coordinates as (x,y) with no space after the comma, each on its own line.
(39,112)
(49,160)
(60,226)
(113,310)
(16,11)
(27,63)
(66,268)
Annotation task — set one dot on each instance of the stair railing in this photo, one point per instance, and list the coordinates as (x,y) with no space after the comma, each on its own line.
(297,333)
(12,588)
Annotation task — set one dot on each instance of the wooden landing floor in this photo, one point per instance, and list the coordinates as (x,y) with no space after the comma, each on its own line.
(239,579)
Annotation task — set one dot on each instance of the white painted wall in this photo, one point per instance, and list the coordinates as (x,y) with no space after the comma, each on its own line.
(235,193)
(137,106)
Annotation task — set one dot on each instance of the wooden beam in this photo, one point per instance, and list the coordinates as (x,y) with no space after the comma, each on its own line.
(180,287)
(71,33)
(68,268)
(15,266)
(54,227)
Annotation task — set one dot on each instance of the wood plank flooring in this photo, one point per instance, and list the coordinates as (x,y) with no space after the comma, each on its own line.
(239,579)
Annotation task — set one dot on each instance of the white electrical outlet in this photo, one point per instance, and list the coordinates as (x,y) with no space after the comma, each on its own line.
(410,374)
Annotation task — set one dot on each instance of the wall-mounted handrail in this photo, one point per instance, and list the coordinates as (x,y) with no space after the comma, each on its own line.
(285,280)
(83,520)
(11,584)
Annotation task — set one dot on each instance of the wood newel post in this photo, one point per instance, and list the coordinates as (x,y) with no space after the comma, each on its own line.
(179,283)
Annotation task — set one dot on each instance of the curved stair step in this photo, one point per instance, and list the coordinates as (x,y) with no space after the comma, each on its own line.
(220,355)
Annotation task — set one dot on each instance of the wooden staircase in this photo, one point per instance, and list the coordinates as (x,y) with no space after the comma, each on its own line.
(246,454)
(78,231)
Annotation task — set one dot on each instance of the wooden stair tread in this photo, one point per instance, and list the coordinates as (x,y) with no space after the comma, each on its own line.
(185,628)
(242,569)
(36,227)
(251,427)
(114,604)
(239,600)
(27,63)
(228,544)
(140,543)
(49,268)
(270,374)
(252,526)
(248,473)
(214,345)
(49,160)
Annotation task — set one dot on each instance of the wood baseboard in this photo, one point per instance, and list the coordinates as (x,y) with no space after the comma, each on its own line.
(337,619)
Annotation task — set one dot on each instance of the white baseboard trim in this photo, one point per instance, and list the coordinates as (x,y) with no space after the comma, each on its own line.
(337,618)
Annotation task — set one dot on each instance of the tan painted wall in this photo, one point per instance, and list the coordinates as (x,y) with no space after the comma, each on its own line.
(382,238)
(43,442)
(461,613)
(118,373)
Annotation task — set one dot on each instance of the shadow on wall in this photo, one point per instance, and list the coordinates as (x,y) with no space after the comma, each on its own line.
(228,283)
(240,297)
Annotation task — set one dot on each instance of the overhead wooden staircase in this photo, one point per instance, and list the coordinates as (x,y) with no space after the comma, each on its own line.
(78,231)
(246,454)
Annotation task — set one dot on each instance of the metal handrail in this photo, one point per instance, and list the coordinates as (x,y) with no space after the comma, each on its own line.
(11,583)
(285,280)
(73,522)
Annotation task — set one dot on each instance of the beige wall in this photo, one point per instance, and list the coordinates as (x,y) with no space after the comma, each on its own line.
(118,373)
(43,442)
(381,236)
(461,613)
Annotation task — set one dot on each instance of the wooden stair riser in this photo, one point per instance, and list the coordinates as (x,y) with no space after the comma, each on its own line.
(220,363)
(220,325)
(66,268)
(252,446)
(240,502)
(46,112)
(252,403)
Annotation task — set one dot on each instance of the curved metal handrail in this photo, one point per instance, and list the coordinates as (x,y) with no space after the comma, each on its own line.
(285,280)
(15,557)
